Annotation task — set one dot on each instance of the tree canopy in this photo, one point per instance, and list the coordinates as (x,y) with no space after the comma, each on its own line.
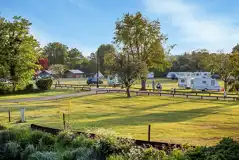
(19,51)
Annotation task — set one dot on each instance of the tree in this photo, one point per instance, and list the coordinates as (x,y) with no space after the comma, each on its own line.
(101,52)
(235,48)
(128,69)
(220,63)
(56,53)
(19,51)
(142,39)
(58,70)
(75,58)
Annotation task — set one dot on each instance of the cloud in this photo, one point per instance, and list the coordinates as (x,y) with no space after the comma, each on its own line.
(197,27)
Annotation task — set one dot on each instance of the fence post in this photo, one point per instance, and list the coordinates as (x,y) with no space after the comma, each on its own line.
(64,121)
(9,116)
(22,115)
(149,129)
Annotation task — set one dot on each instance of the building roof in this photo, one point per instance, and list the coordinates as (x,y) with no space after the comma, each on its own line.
(75,71)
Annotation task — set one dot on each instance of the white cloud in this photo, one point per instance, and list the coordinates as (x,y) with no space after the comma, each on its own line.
(197,27)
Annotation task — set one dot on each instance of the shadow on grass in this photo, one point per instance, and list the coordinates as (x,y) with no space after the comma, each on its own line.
(167,117)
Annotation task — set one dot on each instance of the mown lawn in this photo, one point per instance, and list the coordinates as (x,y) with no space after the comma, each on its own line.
(52,92)
(174,120)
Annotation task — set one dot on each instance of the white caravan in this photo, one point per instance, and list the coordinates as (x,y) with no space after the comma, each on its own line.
(203,84)
(113,80)
(179,75)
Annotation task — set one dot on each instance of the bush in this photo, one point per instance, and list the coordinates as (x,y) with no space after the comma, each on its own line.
(29,87)
(45,156)
(44,84)
(47,141)
(30,149)
(35,137)
(5,88)
(65,138)
(82,141)
(11,151)
(81,153)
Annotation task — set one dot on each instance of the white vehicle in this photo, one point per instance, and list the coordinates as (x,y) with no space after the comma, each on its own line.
(113,80)
(150,75)
(178,75)
(203,84)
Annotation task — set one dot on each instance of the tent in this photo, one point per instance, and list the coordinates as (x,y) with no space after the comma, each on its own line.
(100,75)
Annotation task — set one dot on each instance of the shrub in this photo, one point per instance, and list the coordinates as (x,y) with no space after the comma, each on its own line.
(5,88)
(30,149)
(83,141)
(81,153)
(29,87)
(117,157)
(35,137)
(65,138)
(45,156)
(11,151)
(47,141)
(44,84)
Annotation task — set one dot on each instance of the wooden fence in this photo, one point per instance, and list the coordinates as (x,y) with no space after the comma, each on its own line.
(158,145)
(172,94)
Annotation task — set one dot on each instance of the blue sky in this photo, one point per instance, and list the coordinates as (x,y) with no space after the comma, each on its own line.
(85,24)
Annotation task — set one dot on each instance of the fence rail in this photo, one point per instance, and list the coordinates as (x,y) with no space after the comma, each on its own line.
(158,145)
(173,94)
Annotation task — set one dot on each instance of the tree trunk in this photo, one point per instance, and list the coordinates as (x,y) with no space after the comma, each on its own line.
(143,84)
(128,92)
(225,85)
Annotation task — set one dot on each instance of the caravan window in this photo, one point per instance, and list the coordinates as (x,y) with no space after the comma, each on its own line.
(182,80)
(192,81)
(197,74)
(204,82)
(213,83)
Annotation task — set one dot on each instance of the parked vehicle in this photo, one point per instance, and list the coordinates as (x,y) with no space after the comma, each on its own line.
(178,75)
(113,80)
(93,81)
(204,84)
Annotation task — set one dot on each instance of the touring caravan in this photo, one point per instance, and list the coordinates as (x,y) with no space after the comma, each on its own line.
(113,80)
(203,84)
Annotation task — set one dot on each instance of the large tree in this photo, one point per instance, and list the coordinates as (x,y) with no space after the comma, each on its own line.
(58,70)
(101,52)
(219,63)
(142,39)
(75,58)
(127,68)
(19,51)
(56,53)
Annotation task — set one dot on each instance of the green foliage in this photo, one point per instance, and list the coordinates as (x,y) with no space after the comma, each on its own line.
(44,84)
(65,138)
(19,51)
(127,69)
(11,151)
(58,69)
(101,52)
(29,87)
(56,53)
(142,39)
(81,153)
(35,137)
(5,88)
(45,156)
(117,157)
(82,141)
(47,141)
(30,149)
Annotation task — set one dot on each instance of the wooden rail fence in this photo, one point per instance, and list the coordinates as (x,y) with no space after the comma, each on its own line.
(185,95)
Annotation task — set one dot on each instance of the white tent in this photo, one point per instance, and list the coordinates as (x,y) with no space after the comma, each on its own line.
(100,75)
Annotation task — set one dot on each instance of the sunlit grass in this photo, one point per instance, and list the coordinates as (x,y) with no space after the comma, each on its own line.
(174,120)
(52,92)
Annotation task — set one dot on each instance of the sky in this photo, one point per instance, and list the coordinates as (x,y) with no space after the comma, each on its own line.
(86,24)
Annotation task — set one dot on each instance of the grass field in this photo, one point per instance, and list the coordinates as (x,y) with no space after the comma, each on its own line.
(174,120)
(35,95)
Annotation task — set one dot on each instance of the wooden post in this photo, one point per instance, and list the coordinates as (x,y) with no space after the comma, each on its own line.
(64,121)
(9,116)
(22,115)
(149,129)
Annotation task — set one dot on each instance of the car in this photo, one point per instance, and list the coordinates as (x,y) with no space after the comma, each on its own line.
(93,81)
